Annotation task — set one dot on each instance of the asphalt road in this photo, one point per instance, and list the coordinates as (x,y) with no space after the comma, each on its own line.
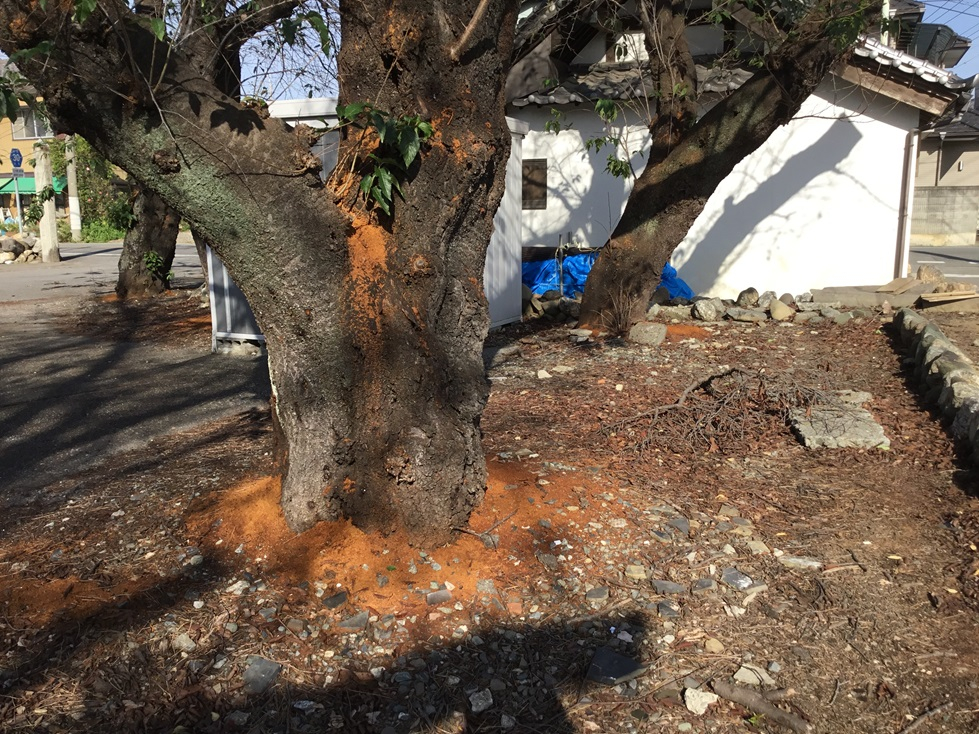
(68,402)
(958,263)
(85,268)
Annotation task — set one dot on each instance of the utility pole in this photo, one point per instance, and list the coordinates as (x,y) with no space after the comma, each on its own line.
(48,224)
(74,204)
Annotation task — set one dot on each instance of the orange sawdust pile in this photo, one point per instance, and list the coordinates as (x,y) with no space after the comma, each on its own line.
(679,332)
(343,557)
(42,602)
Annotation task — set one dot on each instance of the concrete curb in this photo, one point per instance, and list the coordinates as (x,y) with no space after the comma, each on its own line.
(945,374)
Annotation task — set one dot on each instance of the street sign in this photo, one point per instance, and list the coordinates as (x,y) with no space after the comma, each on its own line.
(17,172)
(16,159)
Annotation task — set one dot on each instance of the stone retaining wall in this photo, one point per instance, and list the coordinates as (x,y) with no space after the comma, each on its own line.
(946,375)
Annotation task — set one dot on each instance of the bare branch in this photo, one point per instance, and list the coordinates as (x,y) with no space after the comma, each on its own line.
(459,48)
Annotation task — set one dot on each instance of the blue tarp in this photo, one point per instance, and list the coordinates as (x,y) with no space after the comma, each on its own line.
(674,284)
(542,276)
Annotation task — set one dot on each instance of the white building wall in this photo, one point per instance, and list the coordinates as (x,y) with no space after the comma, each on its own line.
(501,274)
(816,206)
(582,199)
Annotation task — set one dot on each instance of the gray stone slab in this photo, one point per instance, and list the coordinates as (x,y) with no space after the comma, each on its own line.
(837,427)
(610,668)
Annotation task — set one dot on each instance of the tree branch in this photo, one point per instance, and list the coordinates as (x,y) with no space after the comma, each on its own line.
(540,26)
(459,48)
(253,17)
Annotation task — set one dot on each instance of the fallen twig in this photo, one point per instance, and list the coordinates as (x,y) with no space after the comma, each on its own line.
(924,717)
(836,692)
(754,701)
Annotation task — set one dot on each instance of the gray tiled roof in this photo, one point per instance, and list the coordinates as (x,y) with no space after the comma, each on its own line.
(625,81)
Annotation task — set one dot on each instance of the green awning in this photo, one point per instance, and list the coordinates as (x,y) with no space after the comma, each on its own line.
(26,185)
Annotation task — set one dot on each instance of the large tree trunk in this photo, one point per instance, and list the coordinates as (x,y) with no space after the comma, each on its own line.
(149,248)
(672,191)
(374,323)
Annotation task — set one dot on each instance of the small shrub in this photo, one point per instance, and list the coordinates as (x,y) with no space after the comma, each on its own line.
(101,231)
(64,230)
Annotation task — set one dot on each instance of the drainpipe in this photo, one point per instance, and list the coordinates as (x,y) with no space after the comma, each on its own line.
(938,163)
(902,260)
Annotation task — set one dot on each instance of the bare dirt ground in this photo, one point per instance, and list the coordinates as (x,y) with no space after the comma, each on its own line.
(153,592)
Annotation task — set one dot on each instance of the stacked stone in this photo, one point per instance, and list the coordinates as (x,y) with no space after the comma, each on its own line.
(945,373)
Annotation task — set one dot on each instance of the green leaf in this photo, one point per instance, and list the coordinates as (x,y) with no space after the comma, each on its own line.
(289,28)
(606,109)
(379,199)
(319,25)
(351,111)
(159,28)
(387,132)
(409,145)
(425,130)
(366,184)
(84,8)
(384,180)
(44,47)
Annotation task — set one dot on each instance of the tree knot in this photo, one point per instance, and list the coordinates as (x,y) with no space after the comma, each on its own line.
(166,162)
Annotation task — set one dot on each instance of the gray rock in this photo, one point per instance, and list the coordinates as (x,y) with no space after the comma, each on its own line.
(674,312)
(698,701)
(661,296)
(837,427)
(681,524)
(930,274)
(237,719)
(480,701)
(668,587)
(442,596)
(668,610)
(356,622)
(260,674)
(548,560)
(854,397)
(747,315)
(610,668)
(735,579)
(486,586)
(801,563)
(807,317)
(748,298)
(708,309)
(647,333)
(9,244)
(765,299)
(296,626)
(752,675)
(704,586)
(780,311)
(599,593)
(183,643)
(787,298)
(635,572)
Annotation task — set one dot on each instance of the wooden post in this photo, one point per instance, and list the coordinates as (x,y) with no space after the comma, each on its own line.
(48,224)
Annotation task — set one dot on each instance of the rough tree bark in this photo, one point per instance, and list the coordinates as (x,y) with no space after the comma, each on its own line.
(149,248)
(374,323)
(152,235)
(687,162)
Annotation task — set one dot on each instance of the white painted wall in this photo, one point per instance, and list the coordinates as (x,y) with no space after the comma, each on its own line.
(816,206)
(504,256)
(581,199)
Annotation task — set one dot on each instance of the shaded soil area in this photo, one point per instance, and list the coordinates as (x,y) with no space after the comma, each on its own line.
(161,590)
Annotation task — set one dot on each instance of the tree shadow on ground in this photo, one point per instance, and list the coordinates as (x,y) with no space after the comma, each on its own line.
(509,676)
